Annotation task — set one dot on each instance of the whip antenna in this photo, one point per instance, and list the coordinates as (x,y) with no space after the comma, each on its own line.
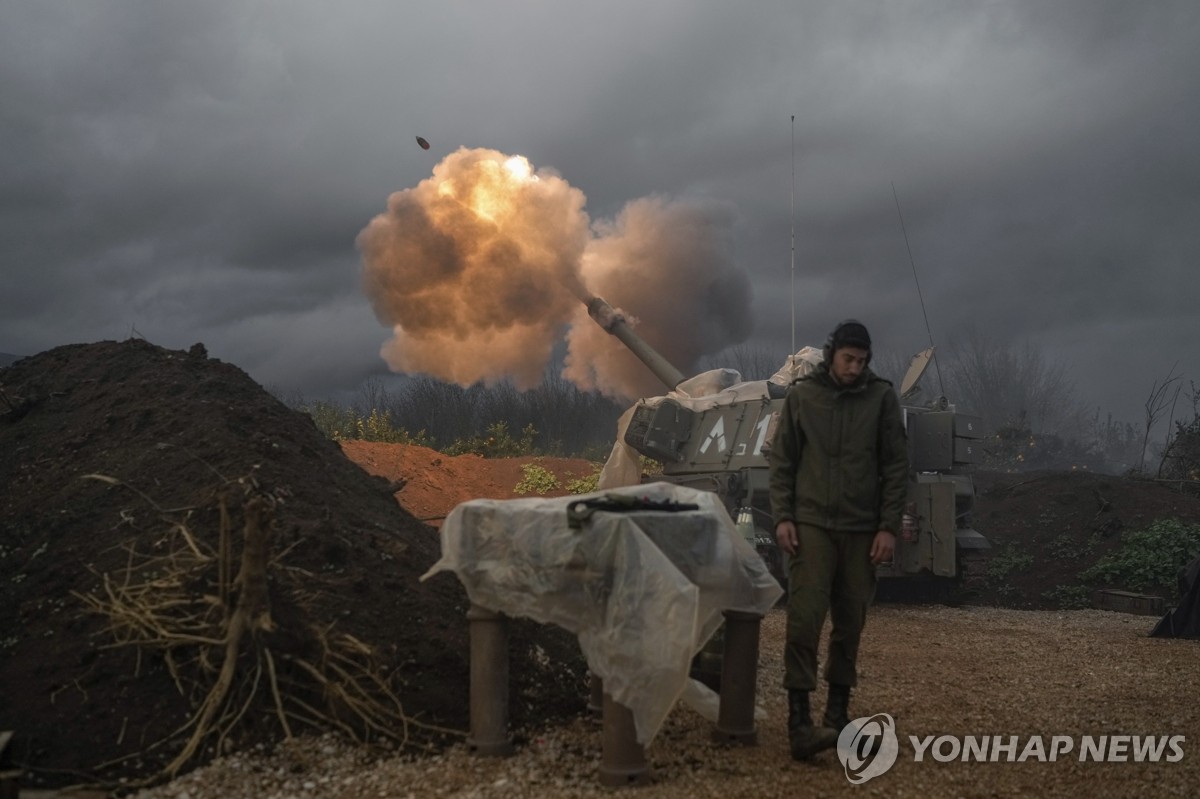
(928,331)
(793,355)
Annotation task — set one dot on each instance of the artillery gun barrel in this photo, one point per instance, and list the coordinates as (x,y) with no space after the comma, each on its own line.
(614,323)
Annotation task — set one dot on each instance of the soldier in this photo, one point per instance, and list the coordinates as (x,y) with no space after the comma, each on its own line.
(839,475)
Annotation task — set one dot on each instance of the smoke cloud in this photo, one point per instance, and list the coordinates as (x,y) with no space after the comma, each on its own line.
(481,268)
(668,265)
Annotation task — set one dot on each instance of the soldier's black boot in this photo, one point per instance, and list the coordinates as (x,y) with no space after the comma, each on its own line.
(805,739)
(837,708)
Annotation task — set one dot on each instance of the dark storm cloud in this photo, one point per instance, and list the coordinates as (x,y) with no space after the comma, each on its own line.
(164,182)
(201,170)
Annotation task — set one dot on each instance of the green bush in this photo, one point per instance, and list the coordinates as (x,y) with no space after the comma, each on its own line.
(379,427)
(334,421)
(1148,559)
(650,466)
(1182,457)
(537,480)
(1009,560)
(588,484)
(496,442)
(343,424)
(1063,547)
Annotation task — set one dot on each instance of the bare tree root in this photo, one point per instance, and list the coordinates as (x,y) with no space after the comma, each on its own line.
(214,633)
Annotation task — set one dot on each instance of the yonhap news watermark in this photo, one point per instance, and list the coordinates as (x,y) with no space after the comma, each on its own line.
(869,747)
(1016,749)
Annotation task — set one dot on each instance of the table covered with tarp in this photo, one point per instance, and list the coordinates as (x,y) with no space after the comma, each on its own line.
(643,589)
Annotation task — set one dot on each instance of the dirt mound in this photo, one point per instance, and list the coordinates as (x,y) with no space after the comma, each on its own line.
(187,446)
(1047,527)
(433,482)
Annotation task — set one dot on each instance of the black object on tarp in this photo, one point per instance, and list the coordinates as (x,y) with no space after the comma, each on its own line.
(581,511)
(1183,621)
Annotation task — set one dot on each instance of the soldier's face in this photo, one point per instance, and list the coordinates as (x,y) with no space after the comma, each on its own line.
(848,364)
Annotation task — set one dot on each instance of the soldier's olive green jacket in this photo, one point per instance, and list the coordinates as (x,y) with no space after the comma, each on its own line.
(839,459)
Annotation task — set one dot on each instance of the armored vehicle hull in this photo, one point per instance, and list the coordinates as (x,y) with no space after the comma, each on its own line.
(713,431)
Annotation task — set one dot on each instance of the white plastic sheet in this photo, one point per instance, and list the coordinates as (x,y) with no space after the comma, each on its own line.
(643,590)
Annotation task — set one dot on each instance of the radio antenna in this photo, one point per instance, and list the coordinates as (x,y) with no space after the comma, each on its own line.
(793,295)
(921,297)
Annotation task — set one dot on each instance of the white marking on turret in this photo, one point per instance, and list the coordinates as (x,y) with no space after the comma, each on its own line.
(718,433)
(762,426)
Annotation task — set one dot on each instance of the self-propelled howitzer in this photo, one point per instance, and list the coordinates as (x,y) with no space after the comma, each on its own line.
(712,431)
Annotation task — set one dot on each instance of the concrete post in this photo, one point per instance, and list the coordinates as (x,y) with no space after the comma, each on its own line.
(739,669)
(489,683)
(623,760)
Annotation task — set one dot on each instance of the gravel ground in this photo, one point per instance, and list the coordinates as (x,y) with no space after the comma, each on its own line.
(936,670)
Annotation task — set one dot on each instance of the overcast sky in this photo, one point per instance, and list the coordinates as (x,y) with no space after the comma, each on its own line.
(199,171)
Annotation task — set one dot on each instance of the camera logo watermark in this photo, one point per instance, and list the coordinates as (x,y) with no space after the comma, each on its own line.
(868,747)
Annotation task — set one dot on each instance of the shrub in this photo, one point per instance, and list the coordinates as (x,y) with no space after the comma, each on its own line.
(343,424)
(1008,561)
(379,427)
(1182,457)
(333,420)
(1148,559)
(496,442)
(650,466)
(587,484)
(537,480)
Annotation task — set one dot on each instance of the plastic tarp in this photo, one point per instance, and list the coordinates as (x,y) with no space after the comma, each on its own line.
(642,589)
(711,389)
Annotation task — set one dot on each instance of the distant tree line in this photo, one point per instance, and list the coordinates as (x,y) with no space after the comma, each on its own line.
(555,418)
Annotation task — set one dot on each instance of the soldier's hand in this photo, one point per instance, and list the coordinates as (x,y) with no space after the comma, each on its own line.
(785,536)
(883,547)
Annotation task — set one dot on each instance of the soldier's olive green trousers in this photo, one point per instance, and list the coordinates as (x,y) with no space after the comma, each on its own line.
(830,573)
